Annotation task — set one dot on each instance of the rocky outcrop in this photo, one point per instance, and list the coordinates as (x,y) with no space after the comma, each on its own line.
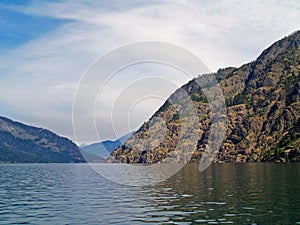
(262,119)
(20,143)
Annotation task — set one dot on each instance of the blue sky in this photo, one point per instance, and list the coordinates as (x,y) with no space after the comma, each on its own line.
(17,28)
(46,46)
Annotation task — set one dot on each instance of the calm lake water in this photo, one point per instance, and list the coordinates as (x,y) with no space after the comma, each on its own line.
(222,194)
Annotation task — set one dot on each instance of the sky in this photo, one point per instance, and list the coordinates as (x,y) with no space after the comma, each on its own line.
(47,46)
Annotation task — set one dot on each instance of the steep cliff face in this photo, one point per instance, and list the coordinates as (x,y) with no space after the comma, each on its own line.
(20,143)
(262,119)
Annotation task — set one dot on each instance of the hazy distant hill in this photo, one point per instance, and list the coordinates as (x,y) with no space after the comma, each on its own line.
(263,111)
(103,149)
(20,143)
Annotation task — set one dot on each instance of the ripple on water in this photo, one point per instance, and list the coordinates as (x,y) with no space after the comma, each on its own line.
(74,194)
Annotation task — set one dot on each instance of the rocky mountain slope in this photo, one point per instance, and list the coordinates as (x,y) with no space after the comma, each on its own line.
(262,119)
(20,143)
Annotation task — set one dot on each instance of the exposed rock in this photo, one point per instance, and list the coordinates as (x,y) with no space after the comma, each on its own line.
(262,118)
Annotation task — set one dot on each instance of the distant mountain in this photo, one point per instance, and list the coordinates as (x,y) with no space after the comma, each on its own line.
(104,148)
(262,118)
(20,143)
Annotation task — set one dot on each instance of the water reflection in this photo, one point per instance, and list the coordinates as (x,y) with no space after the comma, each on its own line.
(222,194)
(232,193)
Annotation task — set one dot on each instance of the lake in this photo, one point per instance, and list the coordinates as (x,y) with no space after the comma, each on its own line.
(256,193)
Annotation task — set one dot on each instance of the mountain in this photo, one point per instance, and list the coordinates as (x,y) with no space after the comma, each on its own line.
(20,143)
(262,118)
(104,148)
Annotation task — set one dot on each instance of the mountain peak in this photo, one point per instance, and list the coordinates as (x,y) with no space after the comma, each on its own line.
(263,111)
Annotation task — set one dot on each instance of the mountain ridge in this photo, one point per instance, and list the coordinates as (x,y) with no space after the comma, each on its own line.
(21,143)
(262,120)
(101,150)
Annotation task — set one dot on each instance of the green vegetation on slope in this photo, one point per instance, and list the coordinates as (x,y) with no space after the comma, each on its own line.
(262,119)
(20,143)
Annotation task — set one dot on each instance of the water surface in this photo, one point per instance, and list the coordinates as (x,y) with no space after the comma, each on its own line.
(253,193)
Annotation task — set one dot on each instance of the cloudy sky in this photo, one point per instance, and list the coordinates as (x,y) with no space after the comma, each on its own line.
(47,46)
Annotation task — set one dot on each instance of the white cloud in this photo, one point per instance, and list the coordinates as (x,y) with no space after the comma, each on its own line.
(38,79)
